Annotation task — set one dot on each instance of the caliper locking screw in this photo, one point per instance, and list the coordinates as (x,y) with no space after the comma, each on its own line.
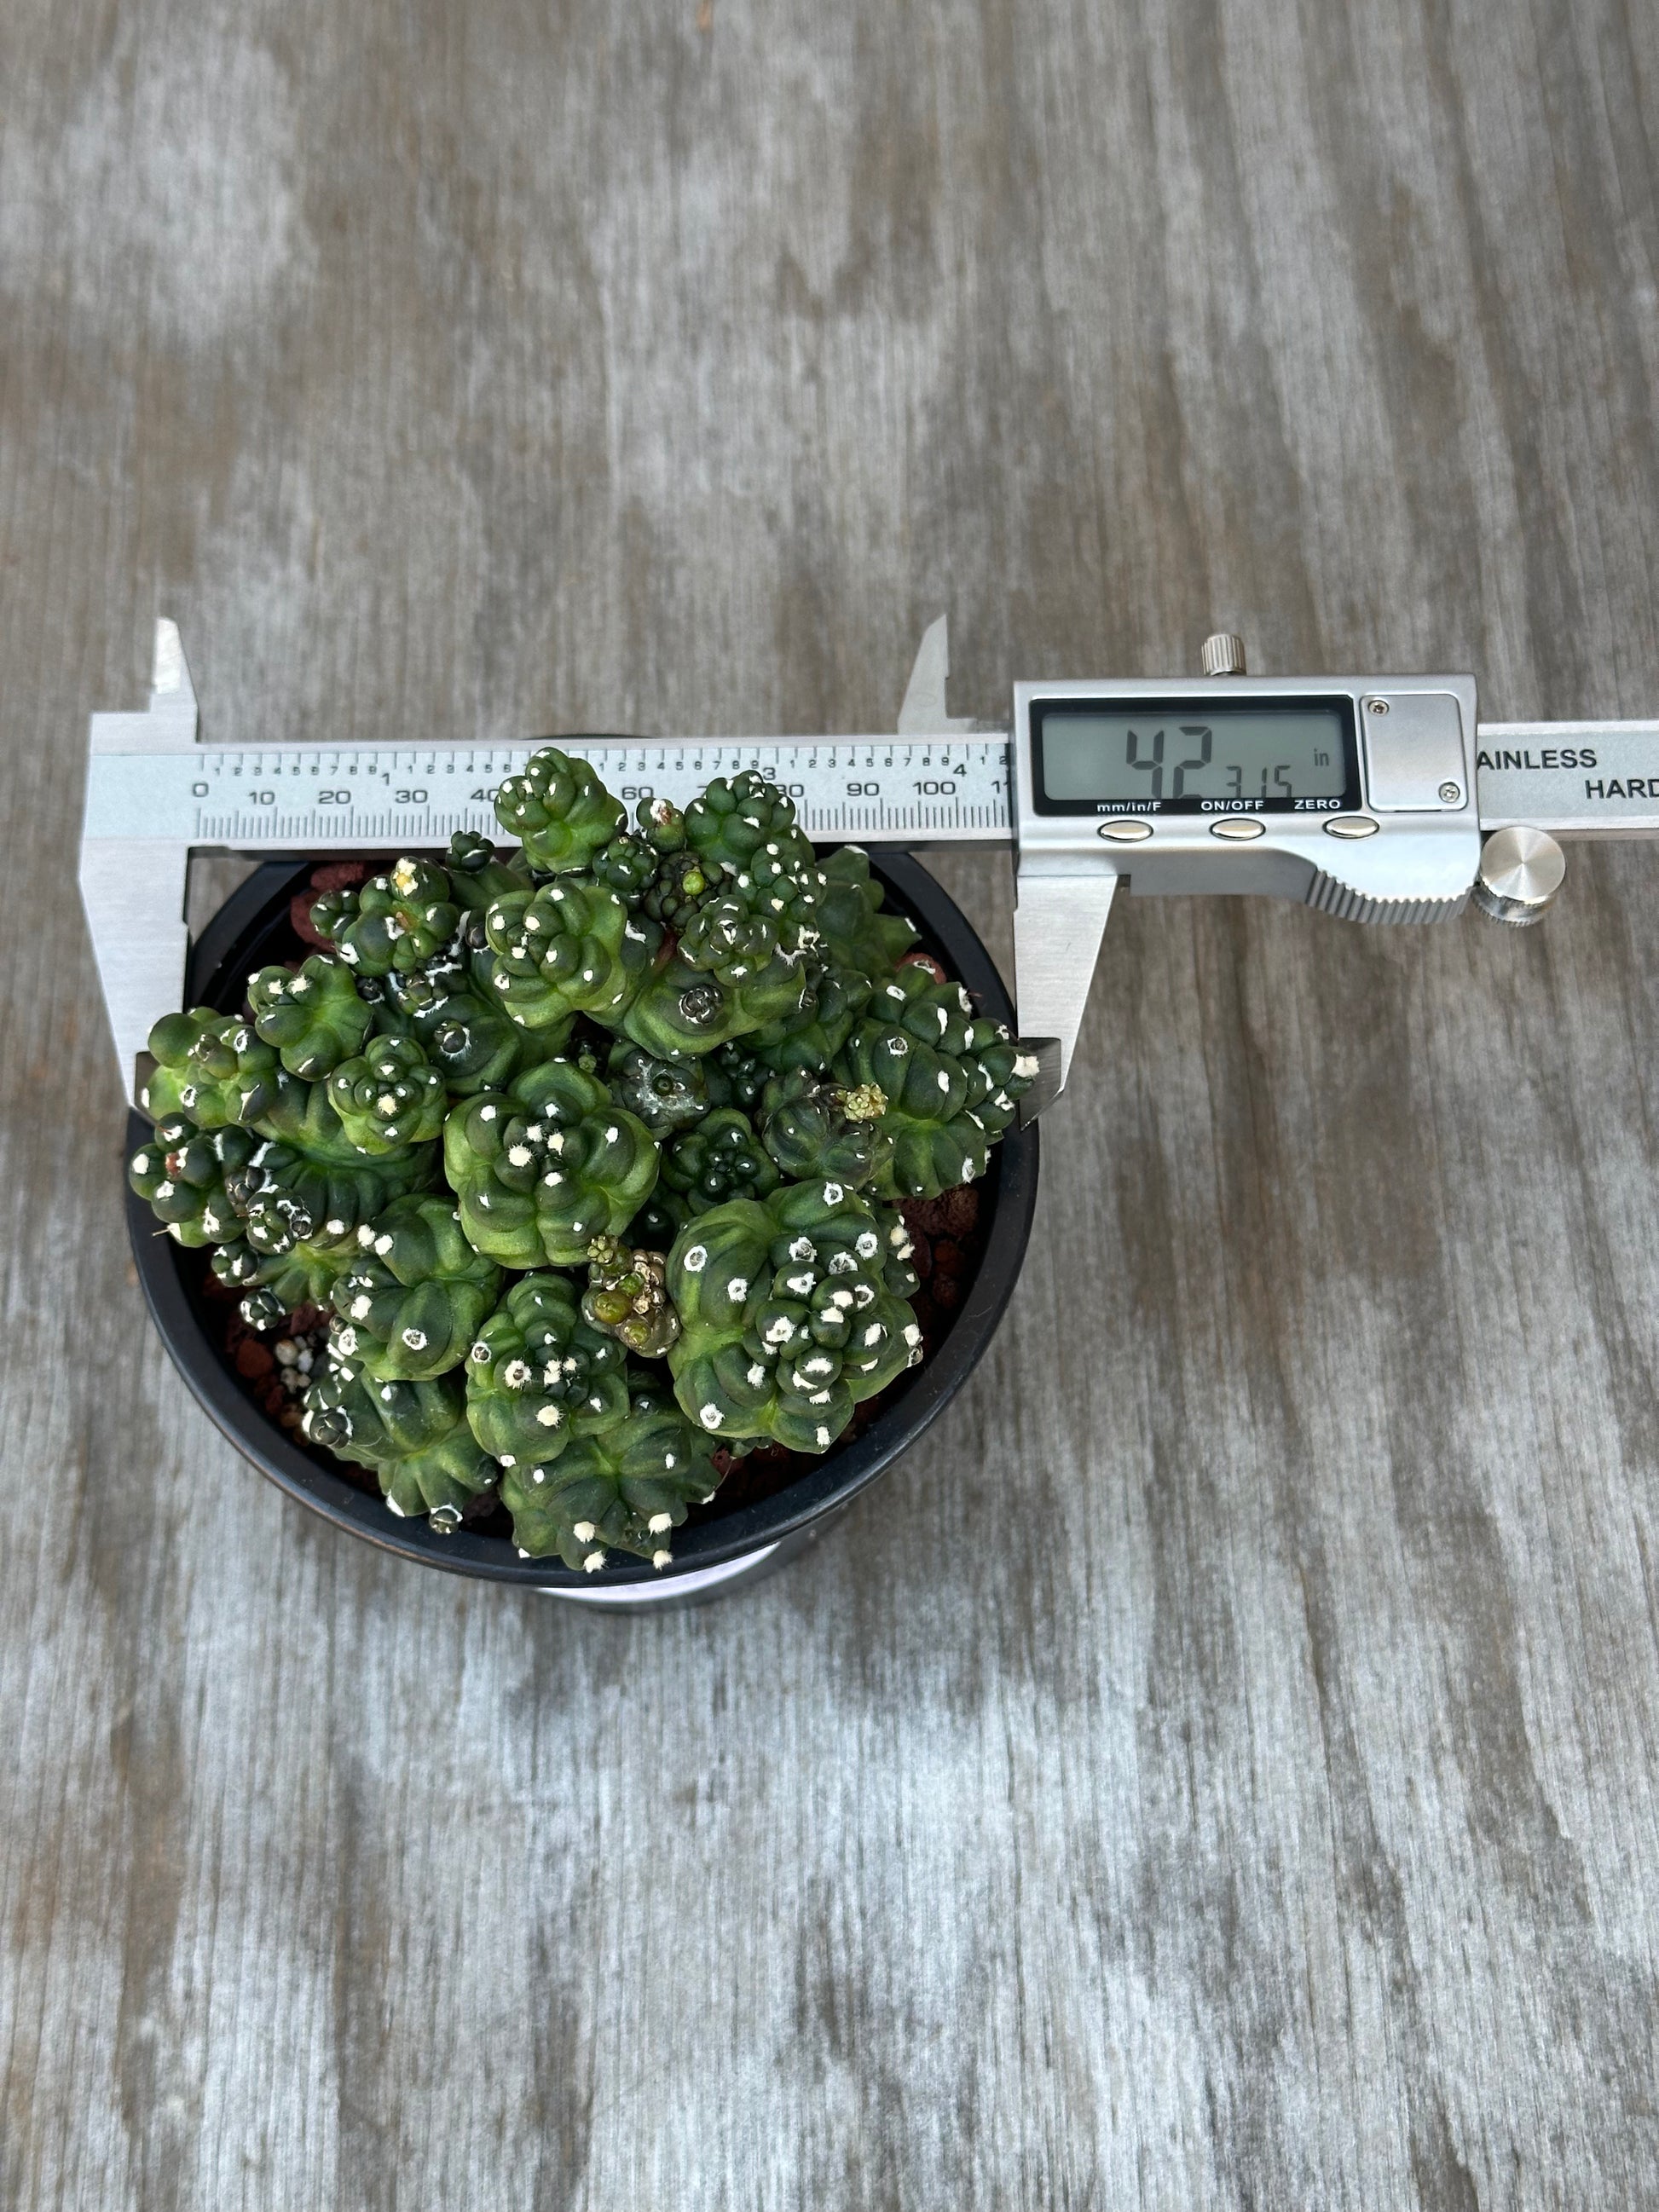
(1521,872)
(1223,655)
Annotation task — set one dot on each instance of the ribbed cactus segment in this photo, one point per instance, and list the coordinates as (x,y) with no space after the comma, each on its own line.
(793,1310)
(740,1068)
(212,1069)
(180,1172)
(302,1273)
(719,1159)
(951,1081)
(857,934)
(684,883)
(807,1041)
(744,816)
(413,1435)
(571,947)
(397,920)
(733,971)
(627,1296)
(389,1098)
(314,1017)
(625,1489)
(666,1095)
(1010,1071)
(626,865)
(478,874)
(538,1375)
(463,1031)
(286,1194)
(475,1048)
(662,825)
(410,1304)
(659,1221)
(560,811)
(824,1131)
(544,1168)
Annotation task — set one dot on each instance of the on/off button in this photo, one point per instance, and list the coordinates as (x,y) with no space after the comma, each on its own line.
(1237,828)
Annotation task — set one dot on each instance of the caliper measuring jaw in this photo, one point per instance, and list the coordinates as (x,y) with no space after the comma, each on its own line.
(1059,919)
(134,888)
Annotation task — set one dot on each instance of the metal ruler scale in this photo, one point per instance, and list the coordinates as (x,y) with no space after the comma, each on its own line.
(309,799)
(1376,799)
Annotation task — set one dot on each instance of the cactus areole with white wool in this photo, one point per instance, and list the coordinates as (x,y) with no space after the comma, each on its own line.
(591,1152)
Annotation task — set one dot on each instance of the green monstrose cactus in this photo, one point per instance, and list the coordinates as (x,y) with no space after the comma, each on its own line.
(303,1273)
(409,1306)
(815,1131)
(538,1375)
(471,1043)
(735,969)
(397,920)
(951,1081)
(388,1097)
(742,1072)
(856,931)
(681,1071)
(743,817)
(627,1296)
(793,1310)
(478,874)
(182,1173)
(626,865)
(807,1041)
(684,883)
(665,1094)
(546,1166)
(414,1436)
(212,1069)
(625,1488)
(560,811)
(314,1017)
(720,1158)
(573,947)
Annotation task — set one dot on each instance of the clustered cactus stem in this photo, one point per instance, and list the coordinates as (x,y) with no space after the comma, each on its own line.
(626,1297)
(592,1148)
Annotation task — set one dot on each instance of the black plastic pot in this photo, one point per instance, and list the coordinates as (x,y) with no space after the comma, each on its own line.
(712,1555)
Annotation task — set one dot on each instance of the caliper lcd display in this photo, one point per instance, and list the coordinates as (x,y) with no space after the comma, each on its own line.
(1194,755)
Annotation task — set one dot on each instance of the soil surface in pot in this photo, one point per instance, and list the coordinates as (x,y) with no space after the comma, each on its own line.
(273,1369)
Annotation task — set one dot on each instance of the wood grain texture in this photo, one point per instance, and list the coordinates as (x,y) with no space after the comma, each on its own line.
(1219,1767)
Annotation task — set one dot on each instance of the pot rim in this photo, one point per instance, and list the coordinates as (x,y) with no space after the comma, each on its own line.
(1010,1181)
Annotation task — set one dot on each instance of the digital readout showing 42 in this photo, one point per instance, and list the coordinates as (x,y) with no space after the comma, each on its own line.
(1175,756)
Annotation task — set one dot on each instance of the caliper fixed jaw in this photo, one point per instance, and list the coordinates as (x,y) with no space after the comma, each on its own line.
(134,889)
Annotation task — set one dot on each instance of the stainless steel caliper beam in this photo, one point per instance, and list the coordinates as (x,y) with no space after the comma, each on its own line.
(1437,806)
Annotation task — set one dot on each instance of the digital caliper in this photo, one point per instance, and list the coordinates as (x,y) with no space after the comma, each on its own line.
(1373,799)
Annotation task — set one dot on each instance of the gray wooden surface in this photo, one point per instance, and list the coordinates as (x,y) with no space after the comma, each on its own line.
(1219,1767)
